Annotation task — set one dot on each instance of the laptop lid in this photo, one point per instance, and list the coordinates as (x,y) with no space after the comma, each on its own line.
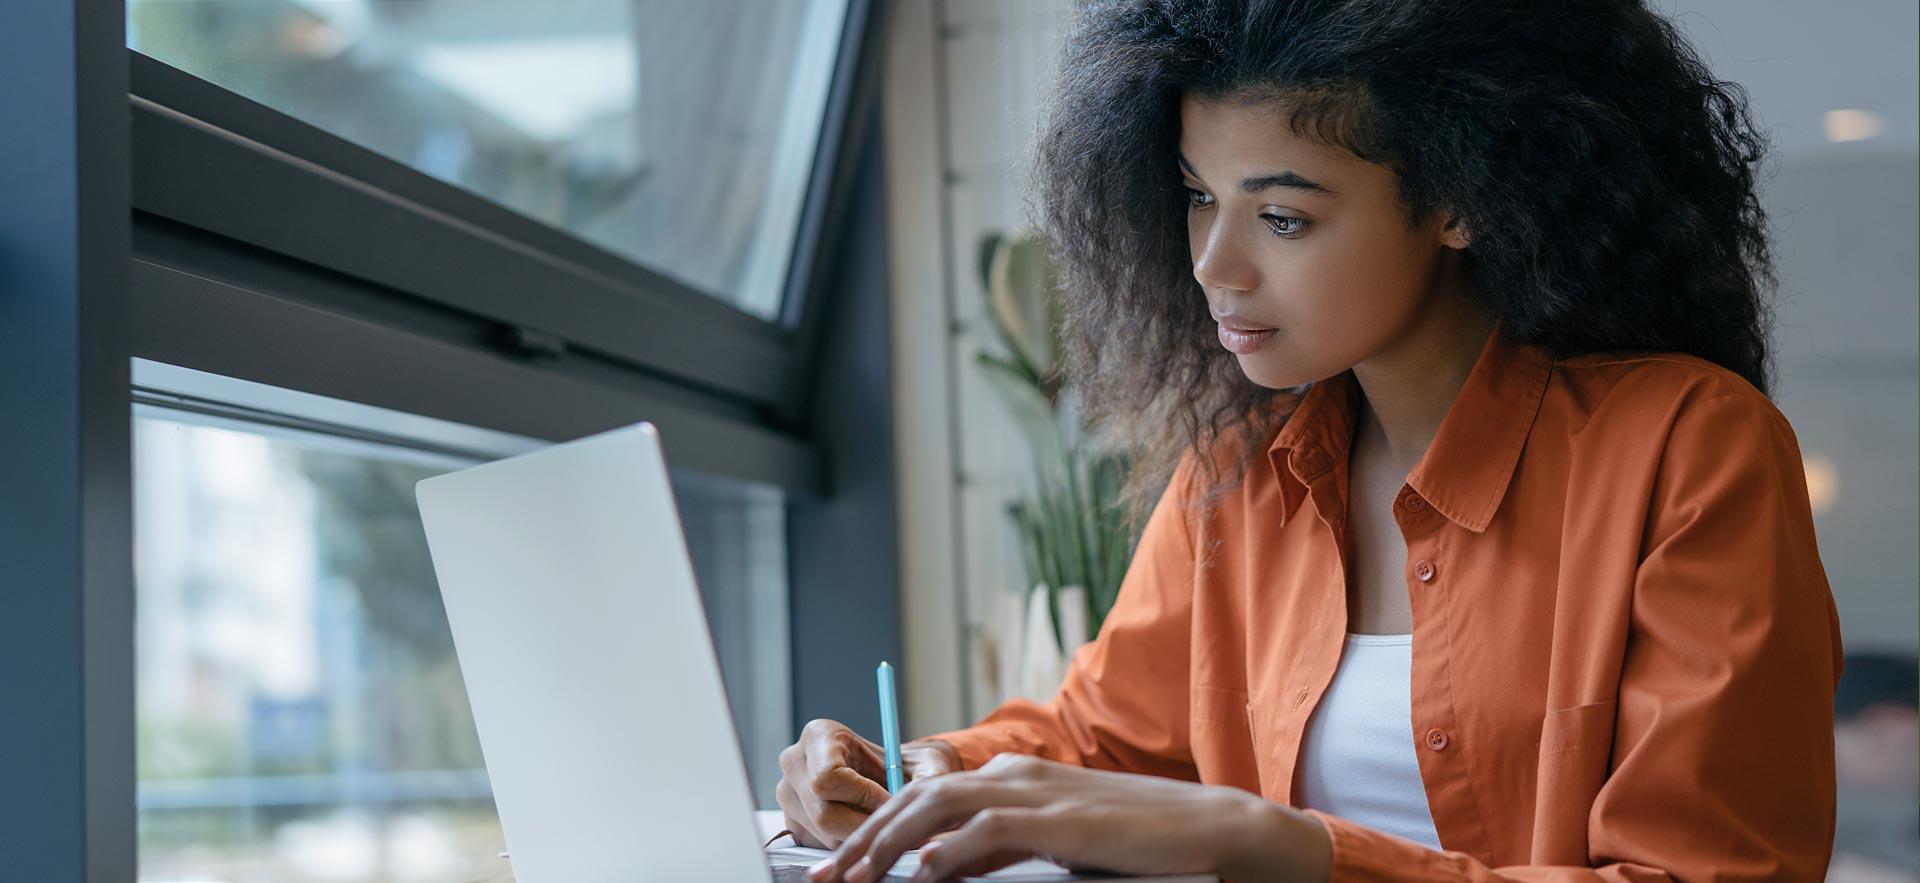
(594,684)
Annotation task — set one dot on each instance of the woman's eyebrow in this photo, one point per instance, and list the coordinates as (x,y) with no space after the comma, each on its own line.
(1263,182)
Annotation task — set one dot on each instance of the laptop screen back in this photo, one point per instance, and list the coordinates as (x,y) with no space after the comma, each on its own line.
(591,671)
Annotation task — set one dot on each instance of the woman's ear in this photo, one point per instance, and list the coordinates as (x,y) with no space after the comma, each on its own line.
(1454,234)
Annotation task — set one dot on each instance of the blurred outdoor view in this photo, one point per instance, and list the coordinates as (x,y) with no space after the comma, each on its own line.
(300,711)
(301,715)
(678,135)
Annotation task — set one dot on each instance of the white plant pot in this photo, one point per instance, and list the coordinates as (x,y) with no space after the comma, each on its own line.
(1033,661)
(1073,619)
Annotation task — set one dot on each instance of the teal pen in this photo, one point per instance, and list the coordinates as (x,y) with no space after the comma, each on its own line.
(890,727)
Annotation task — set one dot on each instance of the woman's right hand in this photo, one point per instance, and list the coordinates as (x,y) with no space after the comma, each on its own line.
(832,779)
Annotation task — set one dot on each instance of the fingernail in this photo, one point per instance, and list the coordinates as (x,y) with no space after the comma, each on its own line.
(862,870)
(821,869)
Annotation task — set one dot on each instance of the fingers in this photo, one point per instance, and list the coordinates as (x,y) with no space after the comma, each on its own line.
(796,797)
(921,768)
(794,775)
(829,743)
(991,840)
(796,821)
(837,821)
(851,861)
(928,758)
(843,785)
(937,809)
(825,823)
(840,766)
(831,798)
(918,812)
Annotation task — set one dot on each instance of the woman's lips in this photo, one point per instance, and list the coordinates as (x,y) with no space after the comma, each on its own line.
(1241,339)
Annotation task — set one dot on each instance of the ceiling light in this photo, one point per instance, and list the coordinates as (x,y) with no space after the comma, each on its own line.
(1852,124)
(1823,482)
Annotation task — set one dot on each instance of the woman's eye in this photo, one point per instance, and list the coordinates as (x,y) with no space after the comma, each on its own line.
(1284,226)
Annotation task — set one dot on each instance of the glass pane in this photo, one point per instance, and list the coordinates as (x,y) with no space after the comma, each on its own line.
(301,715)
(677,134)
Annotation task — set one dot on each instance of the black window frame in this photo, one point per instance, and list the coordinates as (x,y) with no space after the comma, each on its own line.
(107,253)
(386,247)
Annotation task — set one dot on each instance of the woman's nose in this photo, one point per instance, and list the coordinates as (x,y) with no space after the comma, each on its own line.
(1220,263)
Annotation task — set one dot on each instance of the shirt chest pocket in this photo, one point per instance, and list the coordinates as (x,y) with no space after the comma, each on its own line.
(1577,727)
(1221,734)
(1576,748)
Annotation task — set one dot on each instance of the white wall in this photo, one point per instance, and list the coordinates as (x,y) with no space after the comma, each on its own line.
(1844,215)
(964,80)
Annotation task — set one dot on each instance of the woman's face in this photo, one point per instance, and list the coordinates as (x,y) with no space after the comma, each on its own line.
(1303,250)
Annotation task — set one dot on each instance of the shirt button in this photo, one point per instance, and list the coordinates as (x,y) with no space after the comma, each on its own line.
(1424,570)
(1414,503)
(1437,739)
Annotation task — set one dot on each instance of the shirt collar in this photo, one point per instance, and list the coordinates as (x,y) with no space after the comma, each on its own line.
(1465,471)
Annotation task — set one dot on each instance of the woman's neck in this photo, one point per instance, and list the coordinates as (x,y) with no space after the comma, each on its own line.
(1407,390)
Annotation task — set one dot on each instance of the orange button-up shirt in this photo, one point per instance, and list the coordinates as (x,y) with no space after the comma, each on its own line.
(1624,645)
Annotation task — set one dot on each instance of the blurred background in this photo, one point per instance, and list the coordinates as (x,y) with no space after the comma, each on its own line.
(1834,85)
(770,225)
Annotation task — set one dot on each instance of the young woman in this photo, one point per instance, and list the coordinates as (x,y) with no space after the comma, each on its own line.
(1482,553)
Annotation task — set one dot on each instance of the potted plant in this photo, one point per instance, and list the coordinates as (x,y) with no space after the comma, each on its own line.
(1075,537)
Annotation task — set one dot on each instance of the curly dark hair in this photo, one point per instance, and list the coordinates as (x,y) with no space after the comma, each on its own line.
(1607,177)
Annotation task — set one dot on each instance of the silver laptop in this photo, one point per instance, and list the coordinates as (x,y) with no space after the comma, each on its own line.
(592,675)
(585,649)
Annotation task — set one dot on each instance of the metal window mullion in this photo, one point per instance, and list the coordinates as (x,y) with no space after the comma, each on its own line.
(66,535)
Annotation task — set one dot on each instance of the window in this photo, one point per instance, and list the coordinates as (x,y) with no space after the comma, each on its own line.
(374,302)
(301,714)
(678,135)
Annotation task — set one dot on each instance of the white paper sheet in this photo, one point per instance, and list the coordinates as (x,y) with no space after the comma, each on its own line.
(783,852)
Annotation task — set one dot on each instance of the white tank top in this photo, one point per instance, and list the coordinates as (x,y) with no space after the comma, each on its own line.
(1357,758)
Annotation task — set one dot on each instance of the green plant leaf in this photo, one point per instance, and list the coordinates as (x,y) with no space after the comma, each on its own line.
(1029,541)
(1022,300)
(1049,554)
(991,244)
(1078,513)
(1073,529)
(983,258)
(1063,525)
(1029,406)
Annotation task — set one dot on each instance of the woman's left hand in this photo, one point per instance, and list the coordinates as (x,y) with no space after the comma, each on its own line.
(1018,807)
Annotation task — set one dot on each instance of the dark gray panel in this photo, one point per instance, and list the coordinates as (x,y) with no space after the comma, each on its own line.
(425,238)
(66,638)
(844,550)
(209,325)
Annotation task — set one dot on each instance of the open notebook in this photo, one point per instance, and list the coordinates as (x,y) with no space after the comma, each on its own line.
(783,854)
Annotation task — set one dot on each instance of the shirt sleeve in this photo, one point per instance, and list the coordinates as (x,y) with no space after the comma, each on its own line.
(1123,702)
(1723,764)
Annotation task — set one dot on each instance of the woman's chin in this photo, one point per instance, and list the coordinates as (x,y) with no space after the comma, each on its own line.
(1262,371)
